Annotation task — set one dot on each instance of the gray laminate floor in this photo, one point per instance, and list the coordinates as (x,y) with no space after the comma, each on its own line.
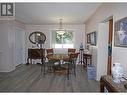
(27,78)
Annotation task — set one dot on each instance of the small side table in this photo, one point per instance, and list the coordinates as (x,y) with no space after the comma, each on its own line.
(81,56)
(86,57)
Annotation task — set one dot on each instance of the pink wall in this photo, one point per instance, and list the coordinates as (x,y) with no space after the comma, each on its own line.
(118,10)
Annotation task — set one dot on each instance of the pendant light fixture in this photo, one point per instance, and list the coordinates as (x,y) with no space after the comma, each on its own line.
(61,31)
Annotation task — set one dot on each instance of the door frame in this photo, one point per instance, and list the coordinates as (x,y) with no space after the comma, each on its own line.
(110,47)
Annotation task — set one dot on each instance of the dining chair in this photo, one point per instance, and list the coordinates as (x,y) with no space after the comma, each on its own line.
(71,50)
(71,64)
(50,64)
(50,51)
(47,66)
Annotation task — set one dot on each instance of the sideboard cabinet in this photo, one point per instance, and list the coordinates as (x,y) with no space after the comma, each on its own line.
(108,85)
(35,54)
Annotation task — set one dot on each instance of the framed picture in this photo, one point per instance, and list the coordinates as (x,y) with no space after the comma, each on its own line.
(88,38)
(120,33)
(93,38)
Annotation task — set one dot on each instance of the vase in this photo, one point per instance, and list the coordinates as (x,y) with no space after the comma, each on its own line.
(81,46)
(117,72)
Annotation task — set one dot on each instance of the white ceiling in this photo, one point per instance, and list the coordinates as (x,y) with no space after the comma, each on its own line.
(50,13)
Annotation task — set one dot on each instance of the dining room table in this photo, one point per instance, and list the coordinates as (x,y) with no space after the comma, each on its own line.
(59,58)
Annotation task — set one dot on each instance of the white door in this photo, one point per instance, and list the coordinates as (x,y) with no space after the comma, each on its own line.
(20,46)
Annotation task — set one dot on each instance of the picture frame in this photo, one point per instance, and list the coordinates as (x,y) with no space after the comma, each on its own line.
(120,33)
(88,38)
(93,38)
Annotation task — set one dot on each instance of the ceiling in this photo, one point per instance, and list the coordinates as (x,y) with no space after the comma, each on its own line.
(50,13)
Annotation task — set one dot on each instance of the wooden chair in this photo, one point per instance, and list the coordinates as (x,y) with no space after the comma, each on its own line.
(51,63)
(71,64)
(50,51)
(71,50)
(47,66)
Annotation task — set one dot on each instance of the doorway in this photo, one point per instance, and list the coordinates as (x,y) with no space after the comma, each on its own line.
(20,46)
(104,48)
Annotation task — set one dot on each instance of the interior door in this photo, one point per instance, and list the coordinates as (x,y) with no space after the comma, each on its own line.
(20,43)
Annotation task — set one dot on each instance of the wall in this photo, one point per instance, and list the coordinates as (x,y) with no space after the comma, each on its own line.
(102,53)
(7,45)
(20,26)
(47,29)
(7,42)
(106,10)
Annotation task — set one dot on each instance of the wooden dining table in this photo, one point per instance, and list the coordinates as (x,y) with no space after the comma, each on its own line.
(60,58)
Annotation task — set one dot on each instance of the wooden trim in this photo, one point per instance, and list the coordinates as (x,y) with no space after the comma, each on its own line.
(110,30)
(110,43)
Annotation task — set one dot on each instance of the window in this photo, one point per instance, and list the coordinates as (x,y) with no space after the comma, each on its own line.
(62,39)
